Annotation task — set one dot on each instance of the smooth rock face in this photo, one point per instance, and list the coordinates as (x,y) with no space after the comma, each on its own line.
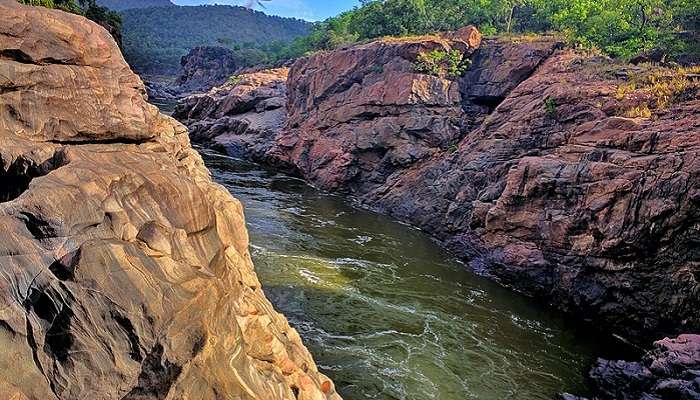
(523,166)
(125,270)
(241,117)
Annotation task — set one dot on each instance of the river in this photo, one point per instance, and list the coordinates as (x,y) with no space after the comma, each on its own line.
(386,312)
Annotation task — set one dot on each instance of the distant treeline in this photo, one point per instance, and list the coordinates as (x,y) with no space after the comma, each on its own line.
(156,38)
(620,28)
(120,5)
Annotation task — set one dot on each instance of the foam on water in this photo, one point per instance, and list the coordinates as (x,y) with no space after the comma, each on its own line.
(386,312)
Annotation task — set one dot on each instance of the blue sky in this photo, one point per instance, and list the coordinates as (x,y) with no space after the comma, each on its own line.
(312,10)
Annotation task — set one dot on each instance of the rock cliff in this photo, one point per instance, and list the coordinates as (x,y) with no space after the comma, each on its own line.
(205,67)
(125,269)
(565,176)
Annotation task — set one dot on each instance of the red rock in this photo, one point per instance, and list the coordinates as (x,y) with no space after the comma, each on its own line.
(521,167)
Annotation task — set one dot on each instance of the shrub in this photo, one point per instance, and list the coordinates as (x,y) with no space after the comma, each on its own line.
(657,89)
(550,107)
(65,5)
(234,80)
(442,63)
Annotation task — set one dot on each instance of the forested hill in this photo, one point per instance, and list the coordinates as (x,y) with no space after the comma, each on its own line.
(156,38)
(119,5)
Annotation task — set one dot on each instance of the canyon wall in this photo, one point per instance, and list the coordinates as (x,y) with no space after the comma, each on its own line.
(125,271)
(539,165)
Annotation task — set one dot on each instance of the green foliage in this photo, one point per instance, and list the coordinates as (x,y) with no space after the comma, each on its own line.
(156,38)
(450,64)
(235,80)
(620,28)
(65,5)
(550,107)
(121,5)
(378,69)
(88,8)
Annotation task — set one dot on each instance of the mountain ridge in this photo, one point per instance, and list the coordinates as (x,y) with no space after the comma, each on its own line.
(121,5)
(156,38)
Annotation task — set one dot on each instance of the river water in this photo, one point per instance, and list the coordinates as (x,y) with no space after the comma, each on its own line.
(386,312)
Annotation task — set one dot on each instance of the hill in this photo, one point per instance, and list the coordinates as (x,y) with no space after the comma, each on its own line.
(156,38)
(120,5)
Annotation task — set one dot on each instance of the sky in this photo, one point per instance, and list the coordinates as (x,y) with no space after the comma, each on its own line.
(311,10)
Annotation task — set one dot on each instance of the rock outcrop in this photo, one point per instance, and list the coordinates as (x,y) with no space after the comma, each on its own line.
(240,117)
(533,166)
(671,370)
(125,269)
(357,115)
(205,67)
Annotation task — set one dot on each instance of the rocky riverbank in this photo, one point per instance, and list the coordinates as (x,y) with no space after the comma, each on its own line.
(126,271)
(671,370)
(568,177)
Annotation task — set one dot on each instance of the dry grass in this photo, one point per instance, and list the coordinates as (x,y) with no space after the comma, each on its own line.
(652,88)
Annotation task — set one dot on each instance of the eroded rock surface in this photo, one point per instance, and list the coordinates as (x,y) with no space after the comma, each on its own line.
(205,67)
(357,115)
(125,271)
(527,166)
(242,116)
(671,370)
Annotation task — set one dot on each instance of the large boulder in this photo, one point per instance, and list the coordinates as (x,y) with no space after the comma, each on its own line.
(126,272)
(205,67)
(240,117)
(671,370)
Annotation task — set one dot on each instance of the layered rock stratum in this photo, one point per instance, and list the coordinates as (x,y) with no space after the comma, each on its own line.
(124,270)
(544,168)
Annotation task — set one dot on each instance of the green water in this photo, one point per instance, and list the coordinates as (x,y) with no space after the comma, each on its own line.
(386,312)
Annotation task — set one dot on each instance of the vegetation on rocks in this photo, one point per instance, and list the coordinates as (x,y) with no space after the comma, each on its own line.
(88,8)
(621,28)
(648,89)
(235,80)
(442,63)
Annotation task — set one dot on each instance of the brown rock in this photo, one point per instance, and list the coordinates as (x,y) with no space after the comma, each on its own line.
(468,35)
(357,115)
(125,269)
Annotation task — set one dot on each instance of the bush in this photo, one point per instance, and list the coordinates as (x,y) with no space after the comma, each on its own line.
(87,8)
(621,28)
(235,80)
(550,107)
(657,89)
(442,63)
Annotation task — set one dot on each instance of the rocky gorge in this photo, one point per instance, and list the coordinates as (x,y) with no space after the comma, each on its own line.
(569,177)
(125,271)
